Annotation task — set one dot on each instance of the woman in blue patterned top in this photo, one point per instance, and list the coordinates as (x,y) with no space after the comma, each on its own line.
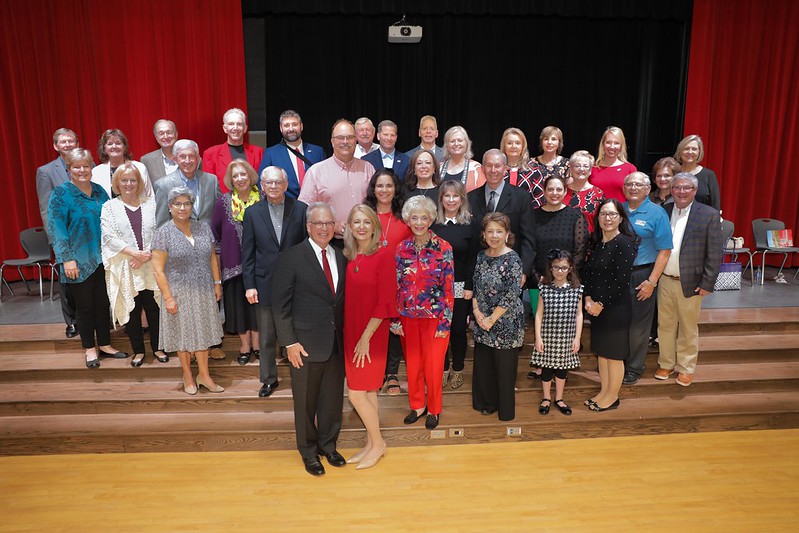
(74,228)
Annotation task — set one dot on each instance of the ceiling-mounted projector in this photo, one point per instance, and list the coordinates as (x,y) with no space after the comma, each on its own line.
(404,34)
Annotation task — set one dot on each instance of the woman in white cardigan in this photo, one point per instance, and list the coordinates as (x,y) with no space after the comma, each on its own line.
(128,224)
(113,151)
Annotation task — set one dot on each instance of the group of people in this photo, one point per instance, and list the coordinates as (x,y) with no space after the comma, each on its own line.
(350,263)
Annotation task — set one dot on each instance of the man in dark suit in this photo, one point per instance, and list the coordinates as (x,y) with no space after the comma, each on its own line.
(689,276)
(273,225)
(387,156)
(497,195)
(291,154)
(188,174)
(308,307)
(161,162)
(217,158)
(48,177)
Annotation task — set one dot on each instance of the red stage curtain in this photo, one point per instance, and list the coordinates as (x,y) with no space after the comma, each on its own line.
(91,65)
(743,100)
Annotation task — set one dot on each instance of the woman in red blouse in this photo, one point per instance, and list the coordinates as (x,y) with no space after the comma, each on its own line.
(425,298)
(580,194)
(612,165)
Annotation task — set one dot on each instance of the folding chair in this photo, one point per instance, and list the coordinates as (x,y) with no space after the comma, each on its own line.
(761,227)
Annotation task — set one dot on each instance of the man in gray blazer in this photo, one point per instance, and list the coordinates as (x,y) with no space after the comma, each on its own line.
(161,162)
(204,185)
(48,177)
(308,309)
(428,133)
(689,276)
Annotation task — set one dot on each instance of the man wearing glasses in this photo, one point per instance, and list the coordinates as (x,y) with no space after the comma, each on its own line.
(689,276)
(340,180)
(273,225)
(652,226)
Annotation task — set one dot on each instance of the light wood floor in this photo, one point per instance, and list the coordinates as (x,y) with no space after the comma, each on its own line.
(732,481)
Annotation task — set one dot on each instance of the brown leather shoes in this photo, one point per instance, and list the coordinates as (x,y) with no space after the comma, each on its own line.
(684,379)
(662,374)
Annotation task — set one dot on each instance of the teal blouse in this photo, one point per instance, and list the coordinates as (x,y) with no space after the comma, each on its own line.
(73,223)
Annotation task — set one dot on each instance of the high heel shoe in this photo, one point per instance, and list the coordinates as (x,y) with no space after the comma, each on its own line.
(614,405)
(359,455)
(211,388)
(190,389)
(370,462)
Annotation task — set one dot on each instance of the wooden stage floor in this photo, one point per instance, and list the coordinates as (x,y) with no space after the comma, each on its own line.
(730,481)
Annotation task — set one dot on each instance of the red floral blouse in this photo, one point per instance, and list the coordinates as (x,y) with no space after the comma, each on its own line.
(425,281)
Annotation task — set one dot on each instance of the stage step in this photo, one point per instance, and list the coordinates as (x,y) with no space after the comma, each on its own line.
(748,377)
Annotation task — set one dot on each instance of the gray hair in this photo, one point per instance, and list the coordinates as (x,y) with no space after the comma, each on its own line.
(186,144)
(686,176)
(582,154)
(386,123)
(637,174)
(415,204)
(318,205)
(364,120)
(274,172)
(78,154)
(160,120)
(176,192)
(235,110)
(495,151)
(288,113)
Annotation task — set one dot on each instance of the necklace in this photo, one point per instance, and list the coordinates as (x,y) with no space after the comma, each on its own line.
(358,261)
(384,242)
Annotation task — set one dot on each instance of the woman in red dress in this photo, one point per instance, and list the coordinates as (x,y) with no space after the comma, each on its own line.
(612,165)
(580,194)
(369,299)
(383,195)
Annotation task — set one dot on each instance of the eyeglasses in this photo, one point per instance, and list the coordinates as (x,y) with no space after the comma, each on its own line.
(341,138)
(561,268)
(272,183)
(181,205)
(635,185)
(609,216)
(583,166)
(323,224)
(683,188)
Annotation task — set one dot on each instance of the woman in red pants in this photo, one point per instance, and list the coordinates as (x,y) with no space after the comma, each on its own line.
(425,297)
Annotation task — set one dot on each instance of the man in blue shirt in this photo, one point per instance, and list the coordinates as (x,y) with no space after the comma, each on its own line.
(652,226)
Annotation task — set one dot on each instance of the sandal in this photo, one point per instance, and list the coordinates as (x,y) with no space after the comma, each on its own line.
(162,358)
(392,385)
(544,409)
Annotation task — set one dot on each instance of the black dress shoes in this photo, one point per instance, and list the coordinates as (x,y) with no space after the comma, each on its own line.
(72,331)
(313,466)
(631,378)
(267,389)
(334,458)
(243,358)
(563,408)
(413,416)
(431,422)
(487,412)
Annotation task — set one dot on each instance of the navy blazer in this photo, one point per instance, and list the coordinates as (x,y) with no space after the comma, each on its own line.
(401,162)
(259,245)
(515,203)
(701,248)
(279,156)
(304,308)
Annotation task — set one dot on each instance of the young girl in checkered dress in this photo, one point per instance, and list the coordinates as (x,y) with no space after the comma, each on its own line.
(558,327)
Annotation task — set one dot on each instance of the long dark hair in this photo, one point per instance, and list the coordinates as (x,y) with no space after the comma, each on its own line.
(410,178)
(555,254)
(371,198)
(625,228)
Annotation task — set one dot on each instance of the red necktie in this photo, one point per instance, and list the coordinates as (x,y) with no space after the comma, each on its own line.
(300,170)
(328,272)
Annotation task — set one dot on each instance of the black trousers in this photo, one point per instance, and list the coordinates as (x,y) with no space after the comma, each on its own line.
(457,334)
(67,303)
(494,381)
(395,354)
(93,309)
(143,300)
(318,391)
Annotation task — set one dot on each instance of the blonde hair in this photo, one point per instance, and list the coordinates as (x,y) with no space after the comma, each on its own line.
(127,168)
(549,131)
(524,158)
(684,142)
(350,246)
(228,180)
(622,152)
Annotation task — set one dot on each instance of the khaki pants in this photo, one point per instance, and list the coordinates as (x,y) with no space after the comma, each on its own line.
(678,327)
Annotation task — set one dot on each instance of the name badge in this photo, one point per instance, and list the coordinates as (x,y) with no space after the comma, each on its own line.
(640,222)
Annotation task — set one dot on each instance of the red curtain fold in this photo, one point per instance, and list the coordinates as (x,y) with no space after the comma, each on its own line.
(91,65)
(743,100)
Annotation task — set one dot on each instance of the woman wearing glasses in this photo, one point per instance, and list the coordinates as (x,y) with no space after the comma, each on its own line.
(606,278)
(188,277)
